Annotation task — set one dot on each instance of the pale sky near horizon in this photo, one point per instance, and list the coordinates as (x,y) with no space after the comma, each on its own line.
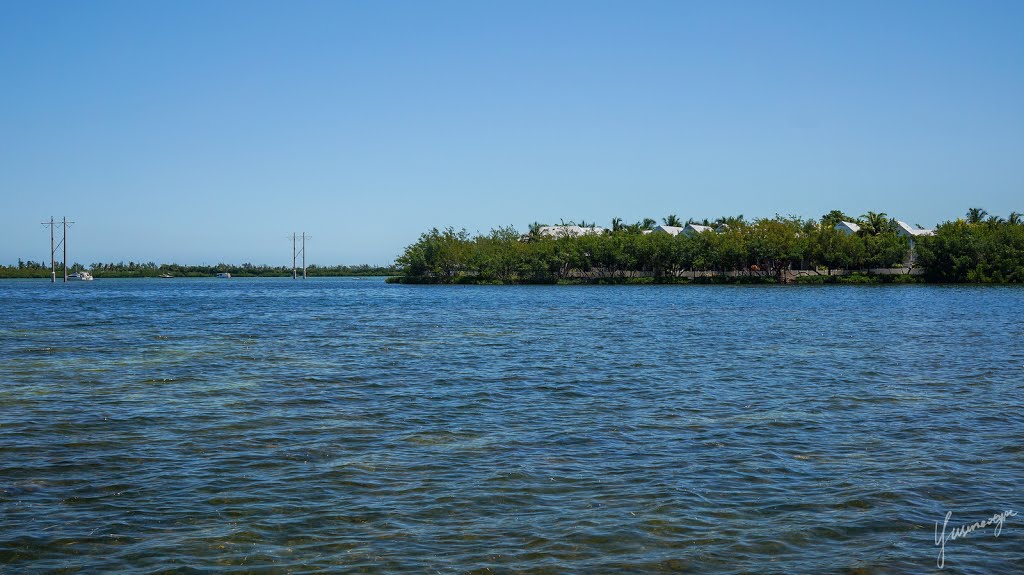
(208,131)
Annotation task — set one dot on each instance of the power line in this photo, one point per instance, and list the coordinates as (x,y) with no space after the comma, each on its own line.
(64,242)
(296,252)
(65,224)
(304,237)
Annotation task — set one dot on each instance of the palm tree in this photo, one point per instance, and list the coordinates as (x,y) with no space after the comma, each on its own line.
(976,215)
(874,223)
(994,220)
(730,221)
(648,224)
(616,224)
(672,220)
(1015,219)
(832,218)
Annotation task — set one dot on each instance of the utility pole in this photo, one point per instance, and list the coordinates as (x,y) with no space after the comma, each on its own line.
(53,265)
(295,254)
(303,255)
(65,224)
(65,242)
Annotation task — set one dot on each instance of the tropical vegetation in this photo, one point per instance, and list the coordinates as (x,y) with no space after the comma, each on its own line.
(982,248)
(978,248)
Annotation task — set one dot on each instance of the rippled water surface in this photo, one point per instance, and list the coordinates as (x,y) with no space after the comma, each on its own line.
(343,425)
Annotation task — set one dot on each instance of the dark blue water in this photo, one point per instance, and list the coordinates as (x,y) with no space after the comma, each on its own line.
(349,426)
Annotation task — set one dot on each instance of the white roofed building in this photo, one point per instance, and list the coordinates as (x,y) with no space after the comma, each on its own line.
(848,228)
(903,229)
(670,230)
(570,231)
(906,230)
(692,229)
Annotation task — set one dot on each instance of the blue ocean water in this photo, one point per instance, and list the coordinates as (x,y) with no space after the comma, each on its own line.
(351,426)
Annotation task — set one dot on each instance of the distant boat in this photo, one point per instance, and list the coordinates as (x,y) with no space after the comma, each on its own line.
(223,275)
(80,277)
(166,276)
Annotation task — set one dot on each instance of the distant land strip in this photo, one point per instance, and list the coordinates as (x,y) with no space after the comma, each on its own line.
(32,269)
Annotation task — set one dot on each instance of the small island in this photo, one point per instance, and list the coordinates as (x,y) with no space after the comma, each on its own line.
(837,248)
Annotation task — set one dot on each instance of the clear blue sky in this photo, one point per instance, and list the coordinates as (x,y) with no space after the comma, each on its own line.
(208,131)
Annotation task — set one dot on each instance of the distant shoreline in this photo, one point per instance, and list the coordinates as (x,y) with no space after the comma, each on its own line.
(36,270)
(60,277)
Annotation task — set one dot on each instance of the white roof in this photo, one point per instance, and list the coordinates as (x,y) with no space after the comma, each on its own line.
(696,228)
(670,230)
(569,231)
(907,230)
(848,227)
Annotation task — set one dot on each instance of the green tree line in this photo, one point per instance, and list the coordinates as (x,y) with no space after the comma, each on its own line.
(978,248)
(981,248)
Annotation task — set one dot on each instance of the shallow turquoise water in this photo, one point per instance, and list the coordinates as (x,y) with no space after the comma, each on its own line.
(342,425)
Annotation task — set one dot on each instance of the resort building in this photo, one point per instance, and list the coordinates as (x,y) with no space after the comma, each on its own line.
(903,229)
(848,228)
(692,229)
(570,231)
(906,230)
(670,230)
